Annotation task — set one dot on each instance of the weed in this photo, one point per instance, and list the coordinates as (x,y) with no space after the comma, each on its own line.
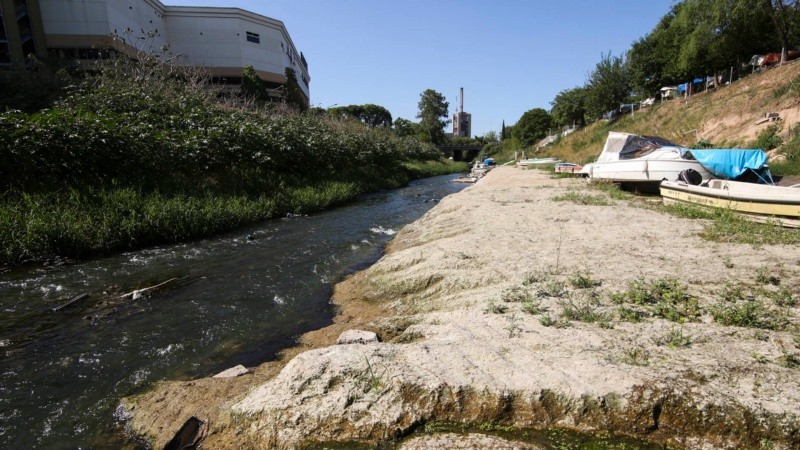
(516,294)
(630,315)
(761,335)
(731,293)
(674,338)
(759,358)
(613,190)
(783,297)
(583,311)
(494,308)
(750,313)
(582,199)
(764,276)
(637,356)
(726,261)
(553,288)
(769,138)
(533,307)
(548,321)
(582,279)
(796,341)
(666,296)
(462,255)
(513,327)
(789,361)
(492,426)
(374,383)
(532,278)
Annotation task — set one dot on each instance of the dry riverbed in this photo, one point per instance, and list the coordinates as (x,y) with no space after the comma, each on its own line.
(504,307)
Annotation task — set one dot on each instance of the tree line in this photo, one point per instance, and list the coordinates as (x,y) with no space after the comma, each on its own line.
(696,38)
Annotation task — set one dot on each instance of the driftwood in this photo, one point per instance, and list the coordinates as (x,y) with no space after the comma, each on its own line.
(75,299)
(137,294)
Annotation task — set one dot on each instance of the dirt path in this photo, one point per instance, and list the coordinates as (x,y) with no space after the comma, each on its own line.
(503,305)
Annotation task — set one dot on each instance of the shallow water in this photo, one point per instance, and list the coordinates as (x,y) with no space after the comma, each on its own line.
(235,299)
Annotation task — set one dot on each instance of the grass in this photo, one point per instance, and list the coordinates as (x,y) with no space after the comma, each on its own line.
(664,297)
(584,310)
(751,313)
(675,338)
(582,279)
(728,226)
(582,199)
(637,356)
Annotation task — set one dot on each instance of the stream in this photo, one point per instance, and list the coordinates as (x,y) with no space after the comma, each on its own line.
(233,299)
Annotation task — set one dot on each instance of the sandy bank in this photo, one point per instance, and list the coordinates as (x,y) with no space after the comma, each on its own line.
(487,314)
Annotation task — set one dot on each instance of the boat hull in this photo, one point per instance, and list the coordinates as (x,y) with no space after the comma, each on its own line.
(642,170)
(746,198)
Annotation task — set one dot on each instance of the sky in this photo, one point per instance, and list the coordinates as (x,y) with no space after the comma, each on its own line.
(510,56)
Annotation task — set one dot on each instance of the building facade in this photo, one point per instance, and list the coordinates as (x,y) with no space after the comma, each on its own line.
(221,41)
(462,124)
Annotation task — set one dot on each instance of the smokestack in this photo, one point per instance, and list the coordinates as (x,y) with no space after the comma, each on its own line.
(462,100)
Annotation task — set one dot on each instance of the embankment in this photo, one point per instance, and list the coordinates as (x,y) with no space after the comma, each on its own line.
(504,305)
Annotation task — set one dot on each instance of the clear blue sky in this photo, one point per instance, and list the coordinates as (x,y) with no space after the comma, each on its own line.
(509,56)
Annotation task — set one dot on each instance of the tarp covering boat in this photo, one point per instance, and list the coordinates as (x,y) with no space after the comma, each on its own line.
(628,146)
(730,163)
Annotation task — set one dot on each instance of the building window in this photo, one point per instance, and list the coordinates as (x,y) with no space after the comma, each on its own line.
(253,37)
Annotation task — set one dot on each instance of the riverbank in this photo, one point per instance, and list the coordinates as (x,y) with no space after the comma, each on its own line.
(507,307)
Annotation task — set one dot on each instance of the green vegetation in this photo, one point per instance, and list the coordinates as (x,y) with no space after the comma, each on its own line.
(665,297)
(138,154)
(582,199)
(727,226)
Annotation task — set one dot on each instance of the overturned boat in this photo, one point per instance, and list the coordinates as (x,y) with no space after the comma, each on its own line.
(744,185)
(748,198)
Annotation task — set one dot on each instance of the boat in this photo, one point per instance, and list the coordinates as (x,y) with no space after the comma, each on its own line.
(567,168)
(756,200)
(537,162)
(642,160)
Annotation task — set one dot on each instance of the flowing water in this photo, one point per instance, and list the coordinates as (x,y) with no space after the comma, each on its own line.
(234,299)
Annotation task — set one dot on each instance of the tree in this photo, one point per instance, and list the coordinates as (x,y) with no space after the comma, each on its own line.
(405,127)
(533,126)
(432,108)
(608,85)
(785,15)
(569,107)
(369,114)
(292,94)
(253,87)
(503,134)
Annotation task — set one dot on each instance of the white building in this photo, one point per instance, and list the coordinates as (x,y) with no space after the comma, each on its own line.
(220,40)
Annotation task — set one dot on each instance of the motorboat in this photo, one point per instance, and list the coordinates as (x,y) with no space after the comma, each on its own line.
(565,167)
(743,197)
(537,162)
(630,158)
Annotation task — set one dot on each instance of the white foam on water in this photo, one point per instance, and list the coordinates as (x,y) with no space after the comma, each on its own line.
(279,300)
(169,349)
(381,230)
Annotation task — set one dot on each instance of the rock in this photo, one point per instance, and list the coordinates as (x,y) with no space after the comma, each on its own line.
(776,156)
(232,372)
(357,337)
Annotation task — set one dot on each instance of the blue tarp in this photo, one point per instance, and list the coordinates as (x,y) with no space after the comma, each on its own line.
(730,163)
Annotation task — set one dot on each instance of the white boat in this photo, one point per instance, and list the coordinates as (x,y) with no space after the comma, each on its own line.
(629,158)
(537,162)
(748,198)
